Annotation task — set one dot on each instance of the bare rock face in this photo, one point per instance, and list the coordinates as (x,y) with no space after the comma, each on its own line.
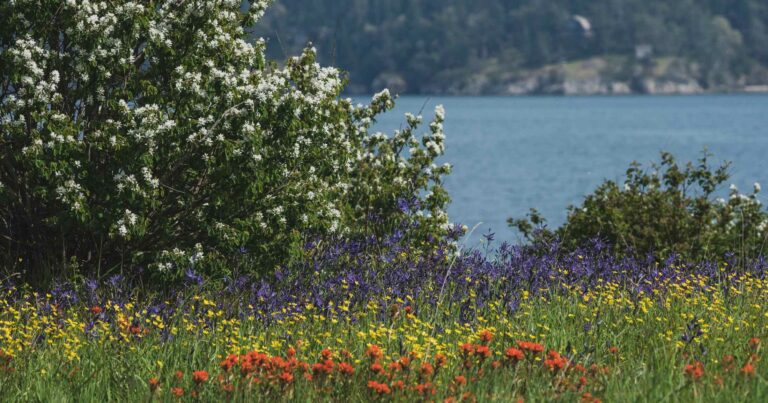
(661,86)
(620,88)
(594,76)
(522,87)
(593,86)
(394,82)
(598,76)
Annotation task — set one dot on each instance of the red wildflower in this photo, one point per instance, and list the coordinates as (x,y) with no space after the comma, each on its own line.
(200,376)
(96,310)
(754,342)
(326,353)
(405,362)
(380,388)
(486,336)
(346,368)
(514,354)
(588,398)
(291,352)
(694,371)
(179,375)
(374,352)
(440,360)
(178,392)
(482,351)
(408,309)
(728,363)
(467,349)
(426,369)
(425,388)
(530,346)
(495,364)
(153,384)
(229,362)
(286,377)
(323,368)
(227,387)
(317,368)
(613,350)
(554,362)
(246,367)
(135,329)
(376,368)
(398,385)
(748,369)
(460,380)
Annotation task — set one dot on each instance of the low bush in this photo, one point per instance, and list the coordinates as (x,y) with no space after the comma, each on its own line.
(669,209)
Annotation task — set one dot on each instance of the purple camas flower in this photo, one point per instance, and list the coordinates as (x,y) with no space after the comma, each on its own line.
(381,270)
(193,278)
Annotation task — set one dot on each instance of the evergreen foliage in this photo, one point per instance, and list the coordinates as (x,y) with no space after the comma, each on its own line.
(424,45)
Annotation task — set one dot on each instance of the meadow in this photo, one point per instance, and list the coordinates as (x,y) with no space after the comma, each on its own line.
(183,219)
(503,324)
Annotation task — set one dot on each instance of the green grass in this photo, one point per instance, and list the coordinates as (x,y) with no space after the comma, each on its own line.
(646,331)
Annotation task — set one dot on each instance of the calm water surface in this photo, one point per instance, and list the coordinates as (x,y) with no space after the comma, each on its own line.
(510,154)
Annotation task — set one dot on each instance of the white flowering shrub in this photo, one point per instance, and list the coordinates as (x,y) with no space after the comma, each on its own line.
(156,135)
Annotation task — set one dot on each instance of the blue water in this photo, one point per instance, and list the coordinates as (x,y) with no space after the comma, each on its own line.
(510,154)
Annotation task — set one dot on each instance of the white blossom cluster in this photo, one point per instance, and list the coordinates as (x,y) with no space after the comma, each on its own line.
(166,121)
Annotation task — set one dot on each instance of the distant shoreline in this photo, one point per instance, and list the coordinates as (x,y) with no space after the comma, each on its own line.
(533,95)
(594,76)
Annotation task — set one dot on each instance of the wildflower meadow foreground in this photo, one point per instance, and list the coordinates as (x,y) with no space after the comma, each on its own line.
(183,219)
(513,325)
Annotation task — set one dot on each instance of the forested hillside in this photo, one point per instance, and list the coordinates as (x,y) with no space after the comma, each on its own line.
(525,46)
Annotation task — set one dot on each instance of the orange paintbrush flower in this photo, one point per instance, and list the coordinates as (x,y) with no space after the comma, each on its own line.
(374,352)
(200,377)
(514,354)
(486,336)
(530,346)
(346,368)
(694,371)
(748,369)
(153,384)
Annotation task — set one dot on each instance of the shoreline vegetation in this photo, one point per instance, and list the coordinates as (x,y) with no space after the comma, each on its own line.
(501,47)
(594,76)
(583,78)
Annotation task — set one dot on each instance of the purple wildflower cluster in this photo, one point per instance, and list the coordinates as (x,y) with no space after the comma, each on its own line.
(385,270)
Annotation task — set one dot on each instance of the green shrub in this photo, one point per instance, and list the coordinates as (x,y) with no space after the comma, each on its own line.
(152,134)
(669,209)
